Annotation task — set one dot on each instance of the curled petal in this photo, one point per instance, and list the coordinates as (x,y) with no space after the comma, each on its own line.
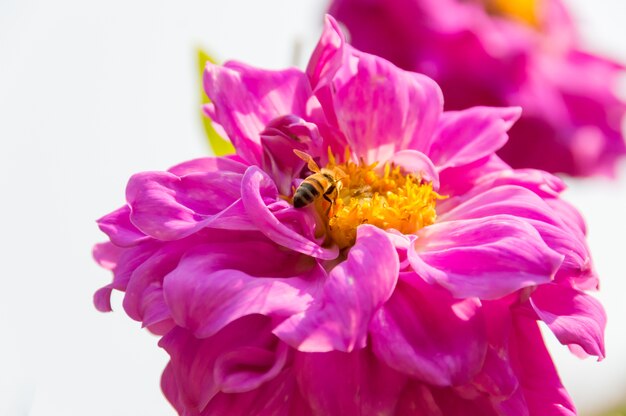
(485,257)
(278,396)
(463,179)
(382,109)
(506,199)
(168,207)
(119,228)
(102,298)
(241,357)
(256,191)
(244,99)
(521,202)
(577,268)
(123,263)
(237,371)
(327,56)
(574,317)
(425,333)
(280,137)
(463,137)
(129,260)
(542,183)
(354,290)
(143,300)
(209,164)
(208,290)
(418,164)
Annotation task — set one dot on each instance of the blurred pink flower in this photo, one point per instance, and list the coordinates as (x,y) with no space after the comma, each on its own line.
(416,292)
(501,53)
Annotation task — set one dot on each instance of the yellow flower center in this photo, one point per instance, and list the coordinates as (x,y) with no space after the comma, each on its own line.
(525,11)
(386,198)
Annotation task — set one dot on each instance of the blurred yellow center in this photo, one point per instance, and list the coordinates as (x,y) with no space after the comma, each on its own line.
(386,198)
(522,10)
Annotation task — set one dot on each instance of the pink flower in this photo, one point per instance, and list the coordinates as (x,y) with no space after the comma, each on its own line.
(417,291)
(501,53)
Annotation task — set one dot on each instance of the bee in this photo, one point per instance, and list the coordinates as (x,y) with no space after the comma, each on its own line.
(325,183)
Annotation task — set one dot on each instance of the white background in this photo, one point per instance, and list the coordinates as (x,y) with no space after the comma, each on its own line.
(91,92)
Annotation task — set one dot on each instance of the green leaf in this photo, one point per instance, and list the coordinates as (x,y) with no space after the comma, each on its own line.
(618,411)
(219,145)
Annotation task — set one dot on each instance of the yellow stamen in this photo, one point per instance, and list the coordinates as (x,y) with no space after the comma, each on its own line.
(523,10)
(387,199)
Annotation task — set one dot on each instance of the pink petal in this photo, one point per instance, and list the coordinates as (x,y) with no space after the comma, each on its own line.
(324,63)
(123,263)
(216,284)
(497,378)
(106,255)
(418,164)
(257,191)
(417,399)
(570,215)
(485,257)
(241,357)
(129,260)
(356,383)
(382,109)
(542,388)
(279,396)
(425,333)
(463,179)
(170,389)
(169,207)
(326,59)
(155,314)
(354,290)
(574,317)
(453,403)
(244,99)
(523,203)
(231,377)
(505,199)
(208,164)
(577,268)
(559,224)
(118,227)
(422,399)
(463,137)
(279,138)
(542,183)
(514,406)
(144,294)
(102,298)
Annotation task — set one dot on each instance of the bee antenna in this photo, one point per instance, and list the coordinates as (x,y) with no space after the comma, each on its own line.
(308,159)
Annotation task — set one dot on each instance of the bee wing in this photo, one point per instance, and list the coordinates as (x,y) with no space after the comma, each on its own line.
(308,159)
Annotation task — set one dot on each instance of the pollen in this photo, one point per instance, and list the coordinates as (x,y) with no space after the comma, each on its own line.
(525,11)
(385,197)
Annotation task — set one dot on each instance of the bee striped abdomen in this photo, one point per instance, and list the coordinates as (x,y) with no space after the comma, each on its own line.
(307,192)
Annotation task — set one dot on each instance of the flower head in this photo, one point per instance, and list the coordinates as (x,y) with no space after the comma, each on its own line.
(414,286)
(503,53)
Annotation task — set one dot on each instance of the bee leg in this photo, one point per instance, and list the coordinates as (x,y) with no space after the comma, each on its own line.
(330,201)
(333,193)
